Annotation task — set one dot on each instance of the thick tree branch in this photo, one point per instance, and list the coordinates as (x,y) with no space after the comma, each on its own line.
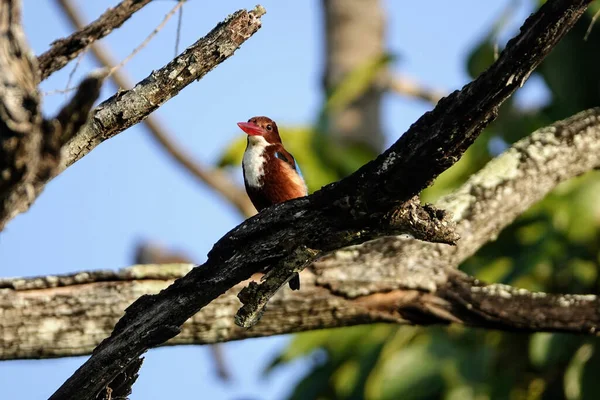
(390,279)
(214,178)
(64,50)
(370,203)
(120,387)
(354,35)
(20,117)
(128,107)
(152,253)
(111,117)
(30,147)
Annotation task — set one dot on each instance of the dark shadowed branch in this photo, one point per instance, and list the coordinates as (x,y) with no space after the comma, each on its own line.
(393,279)
(153,253)
(121,387)
(375,201)
(64,50)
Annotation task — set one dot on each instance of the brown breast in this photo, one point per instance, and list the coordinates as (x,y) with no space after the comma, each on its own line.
(281,181)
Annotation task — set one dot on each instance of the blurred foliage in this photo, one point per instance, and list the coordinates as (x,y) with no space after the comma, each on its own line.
(321,157)
(356,83)
(554,247)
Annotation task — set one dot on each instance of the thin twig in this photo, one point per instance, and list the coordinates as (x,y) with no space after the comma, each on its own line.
(148,38)
(72,73)
(214,178)
(179,24)
(59,91)
(408,87)
(64,50)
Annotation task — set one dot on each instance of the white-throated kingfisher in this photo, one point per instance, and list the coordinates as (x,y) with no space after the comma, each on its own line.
(270,172)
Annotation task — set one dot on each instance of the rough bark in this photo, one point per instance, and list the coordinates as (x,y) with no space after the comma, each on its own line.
(62,146)
(354,35)
(128,107)
(212,177)
(375,201)
(121,387)
(64,50)
(390,279)
(30,147)
(20,120)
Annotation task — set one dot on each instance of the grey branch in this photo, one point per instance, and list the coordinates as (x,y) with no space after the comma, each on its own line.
(24,175)
(216,179)
(64,50)
(20,118)
(128,107)
(392,279)
(30,147)
(366,205)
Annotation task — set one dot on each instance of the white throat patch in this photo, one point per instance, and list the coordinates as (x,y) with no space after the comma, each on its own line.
(254,160)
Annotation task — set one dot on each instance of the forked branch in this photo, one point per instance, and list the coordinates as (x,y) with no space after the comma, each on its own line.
(66,49)
(366,205)
(392,279)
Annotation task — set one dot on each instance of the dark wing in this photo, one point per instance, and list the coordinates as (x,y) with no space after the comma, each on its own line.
(258,197)
(287,158)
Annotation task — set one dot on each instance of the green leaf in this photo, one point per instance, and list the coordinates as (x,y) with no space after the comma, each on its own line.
(356,83)
(552,349)
(412,374)
(590,389)
(351,355)
(341,159)
(571,71)
(573,377)
(485,52)
(302,345)
(473,159)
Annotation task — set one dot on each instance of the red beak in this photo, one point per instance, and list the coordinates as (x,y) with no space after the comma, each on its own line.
(251,129)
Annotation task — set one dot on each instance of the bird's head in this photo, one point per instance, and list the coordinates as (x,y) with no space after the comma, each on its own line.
(258,128)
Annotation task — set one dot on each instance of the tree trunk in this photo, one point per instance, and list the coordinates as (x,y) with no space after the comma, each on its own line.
(354,35)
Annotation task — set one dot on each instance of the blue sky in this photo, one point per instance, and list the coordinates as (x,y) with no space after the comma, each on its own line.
(127,190)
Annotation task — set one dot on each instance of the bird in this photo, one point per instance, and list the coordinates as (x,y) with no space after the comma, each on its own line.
(271,175)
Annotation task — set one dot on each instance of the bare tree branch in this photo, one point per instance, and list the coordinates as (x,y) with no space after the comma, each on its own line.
(75,113)
(214,178)
(30,147)
(375,201)
(20,117)
(120,388)
(128,107)
(152,253)
(64,50)
(406,86)
(113,116)
(390,279)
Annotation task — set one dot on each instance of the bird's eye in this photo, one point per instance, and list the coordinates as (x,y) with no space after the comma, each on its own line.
(269,127)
